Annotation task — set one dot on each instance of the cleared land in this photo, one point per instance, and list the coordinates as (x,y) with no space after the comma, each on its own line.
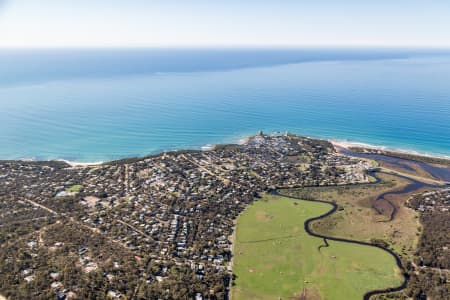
(356,218)
(275,257)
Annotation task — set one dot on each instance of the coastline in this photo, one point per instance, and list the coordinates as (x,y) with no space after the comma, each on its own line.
(280,143)
(75,164)
(349,144)
(240,140)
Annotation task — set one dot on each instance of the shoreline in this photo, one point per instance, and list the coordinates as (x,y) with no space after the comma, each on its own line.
(75,164)
(240,140)
(349,144)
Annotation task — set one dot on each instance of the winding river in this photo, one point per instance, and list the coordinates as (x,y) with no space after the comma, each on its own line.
(412,186)
(438,172)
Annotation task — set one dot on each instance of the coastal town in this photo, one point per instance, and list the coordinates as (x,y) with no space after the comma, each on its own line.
(157,227)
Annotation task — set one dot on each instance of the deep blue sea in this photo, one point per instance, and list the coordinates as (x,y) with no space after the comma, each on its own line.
(103,104)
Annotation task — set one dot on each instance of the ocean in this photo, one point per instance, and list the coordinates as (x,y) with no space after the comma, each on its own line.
(103,104)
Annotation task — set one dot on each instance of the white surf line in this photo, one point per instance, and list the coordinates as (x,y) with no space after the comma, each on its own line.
(75,164)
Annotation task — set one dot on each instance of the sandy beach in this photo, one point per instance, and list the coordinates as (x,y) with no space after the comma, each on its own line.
(347,145)
(81,164)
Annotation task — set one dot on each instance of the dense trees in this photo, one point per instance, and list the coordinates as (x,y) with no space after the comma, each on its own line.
(430,272)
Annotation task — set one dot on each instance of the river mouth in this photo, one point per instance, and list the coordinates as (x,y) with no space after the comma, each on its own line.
(385,203)
(410,166)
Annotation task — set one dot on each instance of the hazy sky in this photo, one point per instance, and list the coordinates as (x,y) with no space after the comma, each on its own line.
(143,23)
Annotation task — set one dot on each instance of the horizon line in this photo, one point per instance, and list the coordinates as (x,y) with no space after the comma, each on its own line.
(243,47)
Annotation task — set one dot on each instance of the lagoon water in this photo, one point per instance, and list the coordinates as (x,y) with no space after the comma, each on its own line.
(97,105)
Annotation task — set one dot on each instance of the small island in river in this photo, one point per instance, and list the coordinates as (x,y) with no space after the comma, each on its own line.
(276,217)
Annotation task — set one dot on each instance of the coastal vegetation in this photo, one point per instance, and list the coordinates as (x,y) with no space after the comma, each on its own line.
(159,227)
(168,217)
(430,268)
(276,258)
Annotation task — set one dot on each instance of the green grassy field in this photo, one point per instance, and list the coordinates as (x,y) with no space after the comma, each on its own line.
(357,219)
(74,188)
(275,257)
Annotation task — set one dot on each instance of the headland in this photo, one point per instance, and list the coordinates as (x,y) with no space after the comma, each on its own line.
(162,224)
